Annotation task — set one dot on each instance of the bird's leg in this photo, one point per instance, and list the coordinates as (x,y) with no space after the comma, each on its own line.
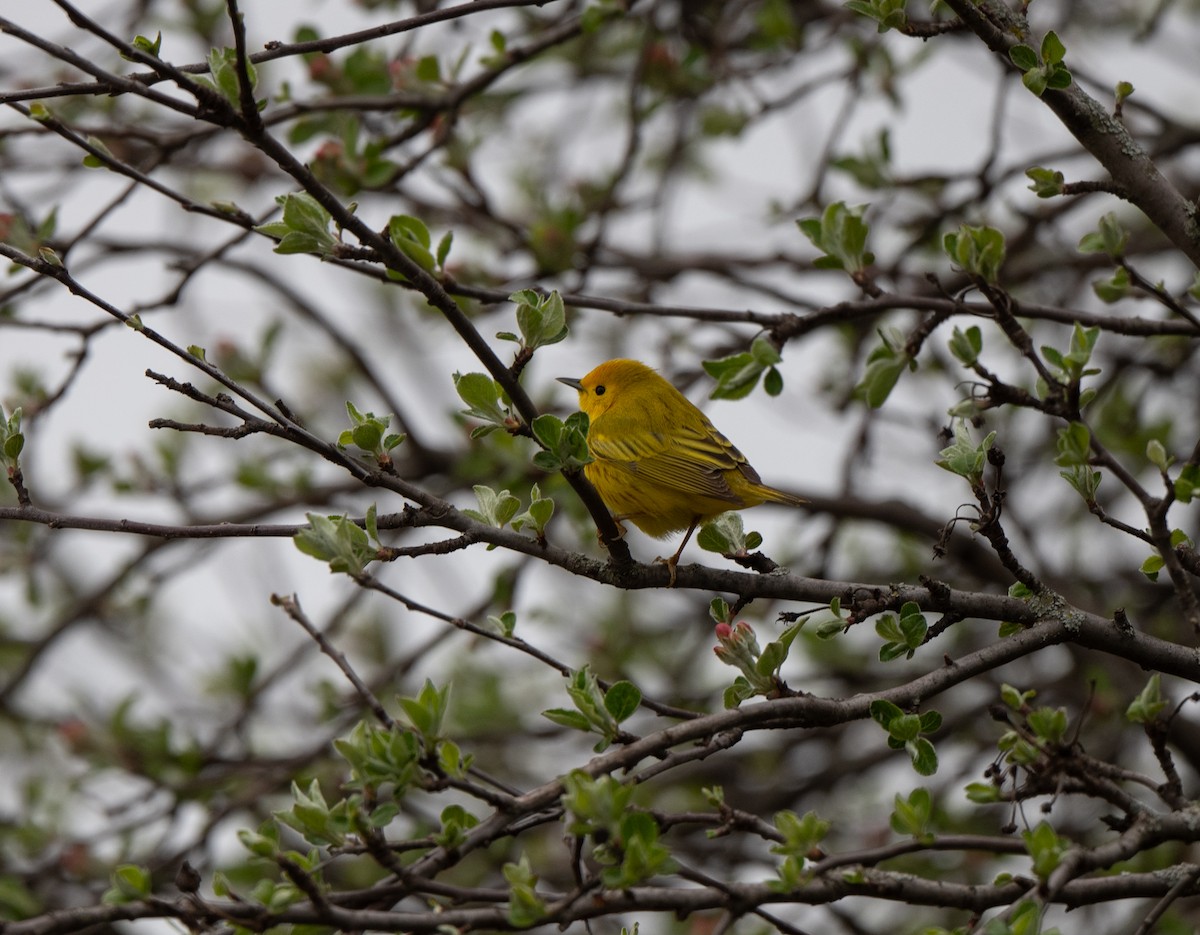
(674,559)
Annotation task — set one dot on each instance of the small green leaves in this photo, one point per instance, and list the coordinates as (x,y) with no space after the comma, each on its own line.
(596,711)
(1016,700)
(142,44)
(12,441)
(1045,847)
(901,637)
(872,169)
(427,711)
(1149,703)
(495,508)
(737,646)
(1114,288)
(346,546)
(626,839)
(101,157)
(1121,93)
(904,733)
(564,443)
(1187,483)
(979,251)
(889,14)
(1025,918)
(885,364)
(738,374)
(413,239)
(381,756)
(536,517)
(983,793)
(304,228)
(1049,725)
(801,836)
(313,818)
(456,822)
(1154,562)
(1046,182)
(222,65)
(129,884)
(525,907)
(1072,366)
(912,816)
(726,536)
(964,457)
(1050,72)
(1156,454)
(482,395)
(541,319)
(841,234)
(498,509)
(367,431)
(1109,237)
(835,625)
(967,345)
(1074,455)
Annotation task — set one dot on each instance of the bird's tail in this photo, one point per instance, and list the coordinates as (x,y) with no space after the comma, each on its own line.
(771,495)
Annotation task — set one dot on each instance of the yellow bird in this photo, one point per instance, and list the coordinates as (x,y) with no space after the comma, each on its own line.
(658,461)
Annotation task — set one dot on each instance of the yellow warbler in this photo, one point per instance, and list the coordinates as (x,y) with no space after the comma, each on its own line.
(658,461)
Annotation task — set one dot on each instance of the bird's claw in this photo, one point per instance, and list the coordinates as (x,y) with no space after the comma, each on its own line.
(671,564)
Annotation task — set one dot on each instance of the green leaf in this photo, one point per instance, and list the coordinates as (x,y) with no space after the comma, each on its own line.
(482,395)
(1115,288)
(427,711)
(977,250)
(428,69)
(1045,847)
(1110,237)
(725,535)
(525,907)
(542,319)
(1149,703)
(622,699)
(411,236)
(1014,698)
(568,718)
(924,756)
(738,374)
(129,883)
(496,508)
(1049,724)
(983,793)
(338,541)
(886,362)
(1023,57)
(1046,182)
(911,816)
(443,249)
(1053,51)
(964,457)
(841,233)
(304,228)
(967,345)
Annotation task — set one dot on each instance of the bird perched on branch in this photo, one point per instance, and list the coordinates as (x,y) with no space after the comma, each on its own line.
(657,459)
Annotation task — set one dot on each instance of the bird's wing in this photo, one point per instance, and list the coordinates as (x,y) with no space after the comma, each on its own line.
(689,459)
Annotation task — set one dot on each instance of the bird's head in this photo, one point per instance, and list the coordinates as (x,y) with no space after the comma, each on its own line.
(609,382)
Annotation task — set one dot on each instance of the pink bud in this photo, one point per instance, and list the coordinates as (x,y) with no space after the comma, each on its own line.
(724,631)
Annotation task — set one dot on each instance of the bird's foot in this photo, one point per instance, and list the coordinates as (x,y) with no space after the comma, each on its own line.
(671,564)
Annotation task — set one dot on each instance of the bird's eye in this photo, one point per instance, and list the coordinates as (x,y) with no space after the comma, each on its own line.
(600,391)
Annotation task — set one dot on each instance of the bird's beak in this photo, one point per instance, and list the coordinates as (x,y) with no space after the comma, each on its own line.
(571,382)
